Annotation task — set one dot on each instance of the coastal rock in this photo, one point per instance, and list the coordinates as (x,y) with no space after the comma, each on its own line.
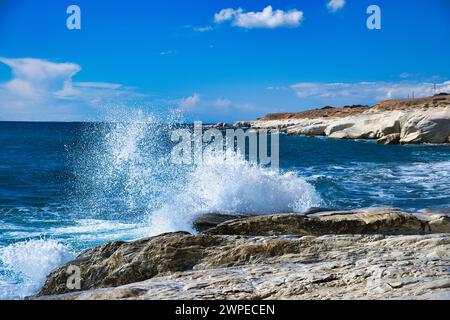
(393,138)
(220,125)
(368,221)
(424,120)
(325,267)
(366,126)
(438,220)
(315,128)
(243,124)
(120,263)
(429,126)
(272,239)
(209,220)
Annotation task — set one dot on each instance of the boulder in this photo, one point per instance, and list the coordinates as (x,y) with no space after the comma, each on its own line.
(210,220)
(242,124)
(438,220)
(120,263)
(368,221)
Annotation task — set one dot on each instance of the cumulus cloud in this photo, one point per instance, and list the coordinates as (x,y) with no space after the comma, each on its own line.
(335,5)
(33,77)
(42,90)
(267,18)
(364,92)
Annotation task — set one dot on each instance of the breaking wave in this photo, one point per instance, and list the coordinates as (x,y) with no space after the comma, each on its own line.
(25,265)
(132,169)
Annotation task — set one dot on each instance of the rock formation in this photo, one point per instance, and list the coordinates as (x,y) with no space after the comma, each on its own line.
(375,253)
(407,121)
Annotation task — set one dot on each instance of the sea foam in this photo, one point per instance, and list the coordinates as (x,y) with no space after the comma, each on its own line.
(227,183)
(131,167)
(25,265)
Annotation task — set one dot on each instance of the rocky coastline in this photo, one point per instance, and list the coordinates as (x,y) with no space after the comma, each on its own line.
(372,253)
(404,121)
(376,253)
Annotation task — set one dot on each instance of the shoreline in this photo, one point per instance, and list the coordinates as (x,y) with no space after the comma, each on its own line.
(374,253)
(406,121)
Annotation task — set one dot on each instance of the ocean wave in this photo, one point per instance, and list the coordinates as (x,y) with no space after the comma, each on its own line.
(25,265)
(227,183)
(130,171)
(95,230)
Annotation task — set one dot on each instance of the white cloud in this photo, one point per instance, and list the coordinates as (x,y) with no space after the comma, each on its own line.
(33,77)
(99,85)
(222,103)
(267,18)
(226,14)
(42,90)
(190,102)
(335,5)
(364,92)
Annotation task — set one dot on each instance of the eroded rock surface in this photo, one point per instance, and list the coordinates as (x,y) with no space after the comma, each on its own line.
(368,221)
(325,267)
(407,121)
(371,253)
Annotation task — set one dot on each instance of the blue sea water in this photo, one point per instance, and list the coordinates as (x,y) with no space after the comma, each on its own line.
(66,187)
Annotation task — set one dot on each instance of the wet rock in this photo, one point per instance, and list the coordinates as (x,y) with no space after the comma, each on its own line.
(210,220)
(368,221)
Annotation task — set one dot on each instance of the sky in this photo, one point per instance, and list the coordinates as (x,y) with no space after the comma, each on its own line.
(221,60)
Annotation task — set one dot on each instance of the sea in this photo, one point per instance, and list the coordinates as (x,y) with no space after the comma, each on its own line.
(67,187)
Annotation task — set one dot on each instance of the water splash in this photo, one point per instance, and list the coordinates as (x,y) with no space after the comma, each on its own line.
(25,265)
(126,170)
(227,183)
(130,172)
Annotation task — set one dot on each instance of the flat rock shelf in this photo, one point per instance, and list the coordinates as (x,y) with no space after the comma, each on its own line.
(376,253)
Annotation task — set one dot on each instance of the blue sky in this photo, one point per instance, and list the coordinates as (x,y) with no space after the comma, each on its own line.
(181,55)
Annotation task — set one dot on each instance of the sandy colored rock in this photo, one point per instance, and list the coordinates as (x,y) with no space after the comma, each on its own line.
(326,267)
(438,220)
(424,120)
(430,126)
(254,242)
(393,138)
(120,263)
(368,221)
(366,125)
